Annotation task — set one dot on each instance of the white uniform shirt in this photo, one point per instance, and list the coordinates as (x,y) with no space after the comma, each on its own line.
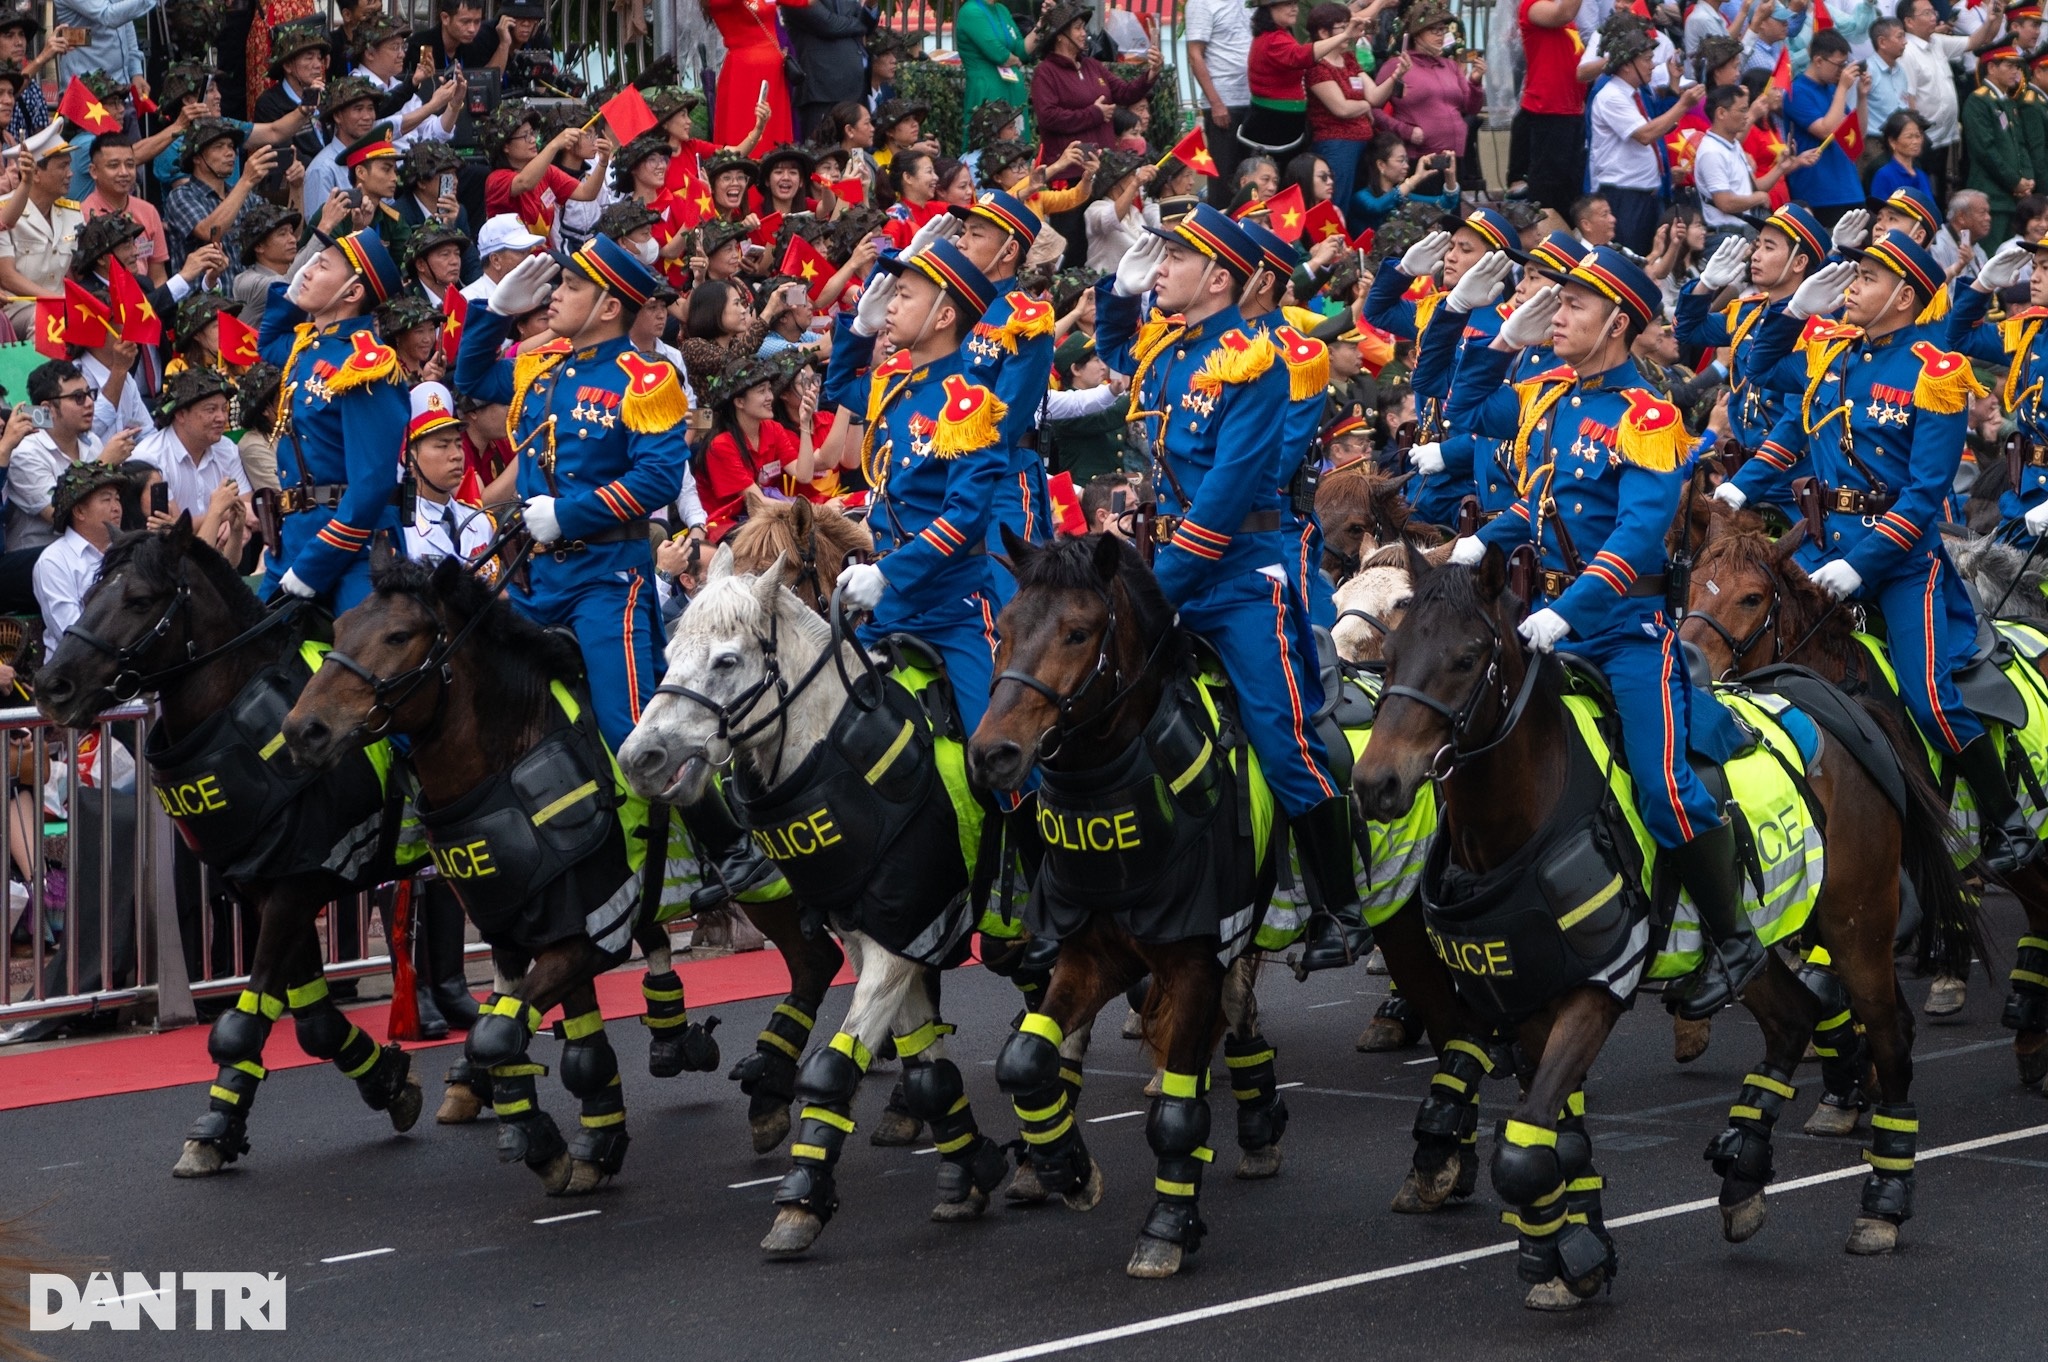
(1617,158)
(63,574)
(447,529)
(191,481)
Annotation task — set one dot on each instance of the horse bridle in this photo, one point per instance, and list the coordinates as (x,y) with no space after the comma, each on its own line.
(130,680)
(1064,725)
(1452,755)
(1738,647)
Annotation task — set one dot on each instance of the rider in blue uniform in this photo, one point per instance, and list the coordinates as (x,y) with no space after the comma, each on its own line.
(1603,462)
(2016,345)
(342,410)
(1880,426)
(1212,391)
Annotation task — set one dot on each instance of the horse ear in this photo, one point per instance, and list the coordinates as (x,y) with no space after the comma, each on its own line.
(1019,550)
(1419,565)
(769,583)
(181,529)
(801,518)
(381,554)
(1109,557)
(721,564)
(755,502)
(1490,578)
(1789,543)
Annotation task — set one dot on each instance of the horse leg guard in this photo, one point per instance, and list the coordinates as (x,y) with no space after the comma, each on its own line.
(497,1045)
(382,1074)
(1030,1070)
(768,1075)
(1033,973)
(1529,1175)
(236,1044)
(1261,1113)
(825,1084)
(1447,1130)
(590,1071)
(971,1165)
(466,1094)
(1839,1046)
(1894,1134)
(1585,1251)
(2026,1007)
(1394,1026)
(1741,1154)
(675,1043)
(1177,1128)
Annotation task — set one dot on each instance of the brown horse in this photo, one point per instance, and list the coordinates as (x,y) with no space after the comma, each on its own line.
(1752,606)
(820,540)
(1361,508)
(1468,708)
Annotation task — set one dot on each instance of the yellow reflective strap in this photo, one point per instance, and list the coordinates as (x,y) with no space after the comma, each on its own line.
(1042,1026)
(2027,976)
(1592,1184)
(1841,1019)
(1575,1105)
(1466,1047)
(1206,1154)
(828,1117)
(1739,1112)
(1247,1094)
(305,995)
(922,1039)
(610,1118)
(1179,1085)
(1539,1229)
(511,1108)
(1246,1061)
(1048,1136)
(1522,1133)
(518,1070)
(261,1004)
(2037,942)
(815,1153)
(1072,1076)
(1165,1188)
(375,1053)
(888,758)
(1770,1085)
(1590,906)
(850,1046)
(1826,1051)
(1550,1196)
(1043,1113)
(663,1023)
(959,1106)
(1894,1123)
(770,1038)
(1888,1165)
(588,1024)
(794,1014)
(569,800)
(1819,956)
(1180,782)
(954,1146)
(271,748)
(660,995)
(1451,1081)
(251,1068)
(228,1095)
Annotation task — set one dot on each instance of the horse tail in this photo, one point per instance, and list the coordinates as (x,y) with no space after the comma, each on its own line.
(1952,916)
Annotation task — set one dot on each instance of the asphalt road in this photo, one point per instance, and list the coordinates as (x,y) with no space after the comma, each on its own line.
(471,1261)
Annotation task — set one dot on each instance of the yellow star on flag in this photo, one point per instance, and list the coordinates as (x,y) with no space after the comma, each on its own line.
(809,271)
(1203,161)
(96,111)
(1289,218)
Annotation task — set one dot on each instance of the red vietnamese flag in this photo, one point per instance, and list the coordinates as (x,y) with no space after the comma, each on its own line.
(1193,150)
(134,318)
(1066,504)
(1287,213)
(50,328)
(1363,241)
(237,341)
(1322,223)
(764,235)
(87,324)
(141,102)
(803,261)
(627,115)
(83,108)
(454,316)
(850,191)
(1822,20)
(1781,75)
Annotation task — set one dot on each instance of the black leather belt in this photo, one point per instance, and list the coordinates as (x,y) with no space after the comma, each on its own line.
(321,496)
(1851,501)
(625,532)
(1258,522)
(1553,584)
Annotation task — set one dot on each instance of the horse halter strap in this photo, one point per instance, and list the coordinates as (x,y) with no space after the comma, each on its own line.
(730,712)
(129,680)
(1064,725)
(1451,755)
(1738,648)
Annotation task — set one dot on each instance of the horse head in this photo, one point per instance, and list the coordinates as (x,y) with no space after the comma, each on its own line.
(1748,594)
(1373,600)
(1453,664)
(1082,636)
(818,540)
(727,671)
(1361,509)
(163,598)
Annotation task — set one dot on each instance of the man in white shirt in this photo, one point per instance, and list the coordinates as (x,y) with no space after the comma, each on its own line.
(441,526)
(1219,39)
(1625,157)
(1931,82)
(191,449)
(1720,167)
(88,509)
(1887,75)
(1969,221)
(65,399)
(503,243)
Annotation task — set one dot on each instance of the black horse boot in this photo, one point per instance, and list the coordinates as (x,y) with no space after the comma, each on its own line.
(1337,935)
(2009,844)
(1707,868)
(734,865)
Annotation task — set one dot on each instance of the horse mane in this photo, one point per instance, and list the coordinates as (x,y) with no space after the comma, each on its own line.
(771,529)
(1069,565)
(154,554)
(522,657)
(1738,540)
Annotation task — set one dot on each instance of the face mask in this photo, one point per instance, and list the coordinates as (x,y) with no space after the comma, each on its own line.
(649,251)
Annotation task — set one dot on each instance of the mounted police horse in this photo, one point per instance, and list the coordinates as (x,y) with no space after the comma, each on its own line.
(1544,904)
(556,863)
(853,783)
(170,617)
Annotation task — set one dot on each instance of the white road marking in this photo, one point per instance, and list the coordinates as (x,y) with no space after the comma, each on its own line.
(558,1219)
(1411,1063)
(933,1150)
(1339,1003)
(1158,1323)
(1282,1087)
(351,1257)
(757,1182)
(1117,1116)
(53,1167)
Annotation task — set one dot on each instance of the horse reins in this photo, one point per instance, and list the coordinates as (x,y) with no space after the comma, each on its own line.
(1064,726)
(1450,756)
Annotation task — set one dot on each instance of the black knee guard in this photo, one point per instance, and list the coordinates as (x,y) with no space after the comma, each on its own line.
(1837,1042)
(1030,1059)
(324,1033)
(2026,1007)
(590,1071)
(675,1044)
(1743,1150)
(241,1032)
(1452,1106)
(934,1093)
(1177,1128)
(1894,1134)
(1042,1090)
(1583,1246)
(525,1133)
(504,1025)
(825,1084)
(1261,1114)
(1525,1164)
(322,1029)
(770,1071)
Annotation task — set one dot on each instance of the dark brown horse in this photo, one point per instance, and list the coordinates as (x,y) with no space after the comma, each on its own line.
(1361,507)
(1752,605)
(1467,707)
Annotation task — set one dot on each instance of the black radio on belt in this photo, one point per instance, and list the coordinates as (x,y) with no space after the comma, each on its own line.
(1302,491)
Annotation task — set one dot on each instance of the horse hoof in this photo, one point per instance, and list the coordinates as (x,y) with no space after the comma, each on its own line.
(770,1130)
(895,1130)
(404,1110)
(1088,1195)
(201,1159)
(1376,963)
(1153,1259)
(953,1212)
(1870,1235)
(1134,1025)
(1829,1119)
(2033,1066)
(459,1105)
(584,1178)
(1420,1195)
(1025,1189)
(1259,1163)
(1554,1295)
(1153,1087)
(794,1231)
(1743,1219)
(1384,1035)
(1946,997)
(556,1173)
(1689,1039)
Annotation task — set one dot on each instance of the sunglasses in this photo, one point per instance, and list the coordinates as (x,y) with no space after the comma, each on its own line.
(87,395)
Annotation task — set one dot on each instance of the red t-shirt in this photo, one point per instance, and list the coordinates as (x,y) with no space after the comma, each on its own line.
(1324,126)
(1765,144)
(1552,84)
(729,471)
(536,207)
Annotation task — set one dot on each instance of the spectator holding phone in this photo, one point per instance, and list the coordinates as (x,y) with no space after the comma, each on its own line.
(524,179)
(380,59)
(1341,101)
(1437,93)
(1824,104)
(58,415)
(21,23)
(457,38)
(110,44)
(298,63)
(1392,179)
(348,109)
(191,90)
(38,229)
(204,208)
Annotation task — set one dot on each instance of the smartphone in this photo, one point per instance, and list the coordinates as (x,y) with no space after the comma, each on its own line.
(763,99)
(355,199)
(160,499)
(447,184)
(40,416)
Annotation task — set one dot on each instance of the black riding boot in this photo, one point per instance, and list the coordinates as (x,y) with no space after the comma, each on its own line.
(733,864)
(2009,843)
(1337,935)
(441,933)
(1707,868)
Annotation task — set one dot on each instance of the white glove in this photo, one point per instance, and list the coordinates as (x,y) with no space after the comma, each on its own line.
(2037,519)
(2004,269)
(291,288)
(873,312)
(1822,291)
(1480,285)
(1852,229)
(1529,324)
(1427,459)
(1425,255)
(1729,262)
(1733,495)
(1838,579)
(1544,630)
(290,582)
(941,227)
(530,284)
(1467,552)
(860,586)
(540,517)
(1140,266)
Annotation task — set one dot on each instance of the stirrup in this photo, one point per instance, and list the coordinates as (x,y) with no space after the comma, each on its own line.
(2009,847)
(1333,941)
(1712,986)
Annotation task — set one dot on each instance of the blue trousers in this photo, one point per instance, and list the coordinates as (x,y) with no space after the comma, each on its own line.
(1656,701)
(1257,625)
(349,592)
(963,632)
(1342,157)
(1932,631)
(610,603)
(1021,503)
(1305,568)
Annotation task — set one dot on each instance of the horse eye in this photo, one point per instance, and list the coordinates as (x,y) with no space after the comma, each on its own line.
(397,638)
(724,662)
(138,604)
(1466,662)
(1076,637)
(1753,598)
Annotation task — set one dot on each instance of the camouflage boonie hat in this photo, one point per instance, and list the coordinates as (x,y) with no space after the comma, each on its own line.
(98,239)
(344,92)
(78,482)
(195,312)
(626,217)
(259,221)
(401,314)
(187,388)
(989,119)
(429,236)
(426,160)
(288,40)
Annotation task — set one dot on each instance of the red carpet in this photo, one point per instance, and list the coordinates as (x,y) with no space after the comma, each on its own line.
(174,1058)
